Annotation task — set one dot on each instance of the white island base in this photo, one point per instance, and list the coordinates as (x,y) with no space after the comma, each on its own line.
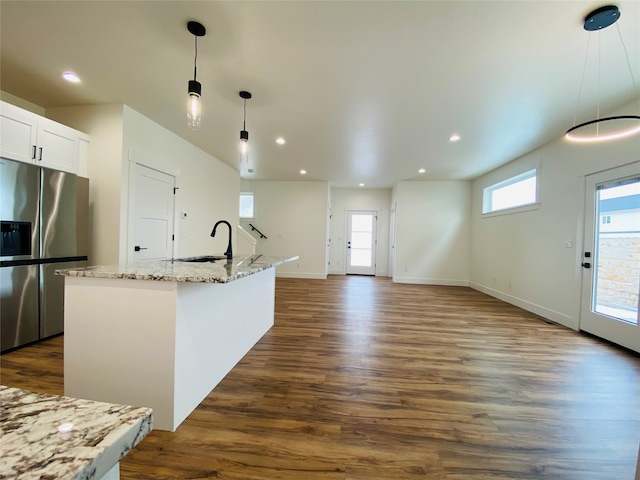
(160,344)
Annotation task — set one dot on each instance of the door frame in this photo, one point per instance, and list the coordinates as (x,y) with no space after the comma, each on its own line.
(611,330)
(348,236)
(139,158)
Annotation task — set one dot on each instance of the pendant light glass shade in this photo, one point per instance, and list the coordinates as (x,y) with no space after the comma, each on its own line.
(244,134)
(194,107)
(194,90)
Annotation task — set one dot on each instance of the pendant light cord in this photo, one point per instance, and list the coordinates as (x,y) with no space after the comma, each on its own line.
(195,59)
(244,120)
(584,70)
(626,54)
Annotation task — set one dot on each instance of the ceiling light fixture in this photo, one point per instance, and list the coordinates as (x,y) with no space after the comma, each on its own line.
(194,108)
(71,77)
(422,170)
(454,138)
(280,141)
(244,135)
(622,125)
(303,172)
(361,184)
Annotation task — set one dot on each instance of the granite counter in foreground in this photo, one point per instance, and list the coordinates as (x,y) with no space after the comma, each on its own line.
(50,436)
(220,271)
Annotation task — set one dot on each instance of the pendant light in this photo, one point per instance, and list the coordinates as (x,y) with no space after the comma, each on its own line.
(244,135)
(194,108)
(617,126)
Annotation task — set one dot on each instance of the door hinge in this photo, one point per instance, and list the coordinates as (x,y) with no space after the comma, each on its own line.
(173,237)
(174,189)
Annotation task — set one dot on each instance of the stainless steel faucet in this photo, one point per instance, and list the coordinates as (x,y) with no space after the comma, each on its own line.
(229,252)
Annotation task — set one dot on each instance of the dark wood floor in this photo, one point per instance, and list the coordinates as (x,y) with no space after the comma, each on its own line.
(361,378)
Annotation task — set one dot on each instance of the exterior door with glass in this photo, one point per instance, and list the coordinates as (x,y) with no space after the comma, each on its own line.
(611,262)
(361,242)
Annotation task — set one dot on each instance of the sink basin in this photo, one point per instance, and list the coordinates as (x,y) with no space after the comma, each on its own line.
(206,258)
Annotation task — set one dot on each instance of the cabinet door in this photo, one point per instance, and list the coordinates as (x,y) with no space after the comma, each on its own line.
(17,134)
(57,146)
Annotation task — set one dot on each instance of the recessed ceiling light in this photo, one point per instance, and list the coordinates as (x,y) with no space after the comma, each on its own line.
(422,170)
(362,184)
(71,77)
(280,141)
(454,138)
(303,172)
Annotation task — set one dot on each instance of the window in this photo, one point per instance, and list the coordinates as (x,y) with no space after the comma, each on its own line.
(246,205)
(514,192)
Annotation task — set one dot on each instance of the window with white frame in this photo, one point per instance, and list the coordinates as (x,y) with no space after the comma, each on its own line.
(246,205)
(518,191)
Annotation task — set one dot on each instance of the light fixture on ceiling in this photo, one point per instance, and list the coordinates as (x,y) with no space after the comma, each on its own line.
(194,108)
(361,184)
(621,125)
(303,172)
(280,141)
(454,138)
(421,171)
(71,77)
(244,135)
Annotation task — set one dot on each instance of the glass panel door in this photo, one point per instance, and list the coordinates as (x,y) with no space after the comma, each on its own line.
(361,233)
(611,263)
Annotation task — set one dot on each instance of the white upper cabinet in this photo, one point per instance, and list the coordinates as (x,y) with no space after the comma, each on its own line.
(27,137)
(18,130)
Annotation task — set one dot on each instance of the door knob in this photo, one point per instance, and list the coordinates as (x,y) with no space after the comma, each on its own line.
(137,248)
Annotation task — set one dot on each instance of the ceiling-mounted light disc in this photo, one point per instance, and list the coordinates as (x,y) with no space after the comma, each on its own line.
(196,28)
(601,18)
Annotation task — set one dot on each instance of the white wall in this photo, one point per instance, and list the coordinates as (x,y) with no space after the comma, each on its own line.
(432,232)
(104,124)
(208,189)
(521,257)
(293,216)
(343,200)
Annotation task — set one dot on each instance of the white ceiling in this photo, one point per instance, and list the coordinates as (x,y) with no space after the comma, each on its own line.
(361,91)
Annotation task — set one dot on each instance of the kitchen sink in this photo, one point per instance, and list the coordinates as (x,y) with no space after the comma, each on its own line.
(204,259)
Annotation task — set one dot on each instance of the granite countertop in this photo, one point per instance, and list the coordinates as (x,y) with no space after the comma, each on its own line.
(50,436)
(219,271)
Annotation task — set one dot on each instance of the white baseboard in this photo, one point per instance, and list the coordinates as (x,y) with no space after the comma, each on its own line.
(431,281)
(544,312)
(315,276)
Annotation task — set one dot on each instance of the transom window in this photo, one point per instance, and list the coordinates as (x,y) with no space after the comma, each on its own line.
(518,191)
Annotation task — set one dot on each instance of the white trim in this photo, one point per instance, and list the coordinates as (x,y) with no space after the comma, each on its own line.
(509,211)
(135,156)
(431,281)
(544,312)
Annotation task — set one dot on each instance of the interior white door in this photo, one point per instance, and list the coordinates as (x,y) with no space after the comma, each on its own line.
(153,213)
(611,262)
(392,240)
(361,242)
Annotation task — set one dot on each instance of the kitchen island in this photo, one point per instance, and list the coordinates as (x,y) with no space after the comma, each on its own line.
(163,333)
(50,436)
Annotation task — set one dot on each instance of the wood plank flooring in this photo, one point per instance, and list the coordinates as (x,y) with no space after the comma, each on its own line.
(361,378)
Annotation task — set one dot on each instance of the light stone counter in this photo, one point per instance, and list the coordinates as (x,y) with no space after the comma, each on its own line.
(50,436)
(219,271)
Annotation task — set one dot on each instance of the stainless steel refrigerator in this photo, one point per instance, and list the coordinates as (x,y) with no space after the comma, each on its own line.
(44,222)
